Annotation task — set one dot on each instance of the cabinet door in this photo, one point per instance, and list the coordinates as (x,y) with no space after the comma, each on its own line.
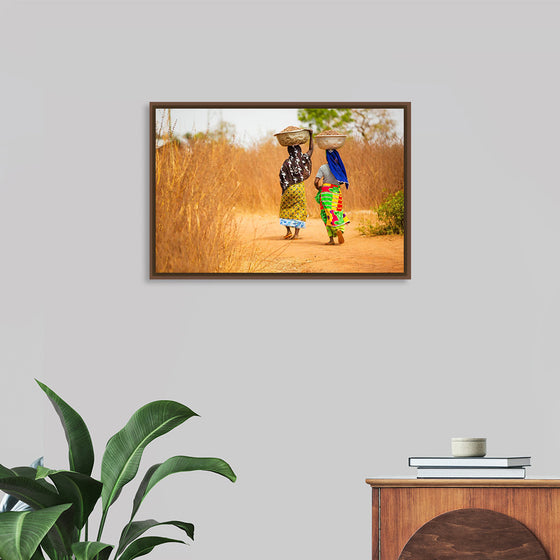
(403,511)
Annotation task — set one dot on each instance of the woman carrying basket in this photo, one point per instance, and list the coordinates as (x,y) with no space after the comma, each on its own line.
(329,196)
(293,205)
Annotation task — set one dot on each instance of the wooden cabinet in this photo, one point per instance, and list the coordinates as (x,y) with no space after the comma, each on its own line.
(525,525)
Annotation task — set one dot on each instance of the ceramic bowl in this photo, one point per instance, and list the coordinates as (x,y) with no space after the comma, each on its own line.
(468,447)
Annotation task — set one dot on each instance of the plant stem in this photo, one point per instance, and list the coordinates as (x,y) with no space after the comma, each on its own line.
(101,524)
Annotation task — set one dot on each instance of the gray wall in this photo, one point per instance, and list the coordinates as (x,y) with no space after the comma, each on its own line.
(303,407)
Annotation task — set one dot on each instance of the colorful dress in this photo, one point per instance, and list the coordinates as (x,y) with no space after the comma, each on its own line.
(329,199)
(293,206)
(294,171)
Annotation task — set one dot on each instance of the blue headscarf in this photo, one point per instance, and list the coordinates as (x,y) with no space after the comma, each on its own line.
(336,166)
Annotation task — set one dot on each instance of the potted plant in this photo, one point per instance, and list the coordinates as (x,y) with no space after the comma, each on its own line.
(62,501)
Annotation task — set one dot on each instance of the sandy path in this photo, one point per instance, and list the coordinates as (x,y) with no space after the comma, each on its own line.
(310,254)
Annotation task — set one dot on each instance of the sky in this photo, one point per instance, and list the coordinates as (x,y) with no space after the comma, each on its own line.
(251,125)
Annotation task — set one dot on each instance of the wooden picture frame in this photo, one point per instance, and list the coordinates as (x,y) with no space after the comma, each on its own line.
(215,192)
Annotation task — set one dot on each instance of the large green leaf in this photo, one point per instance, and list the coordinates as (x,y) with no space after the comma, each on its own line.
(22,532)
(30,491)
(8,502)
(79,489)
(6,472)
(80,448)
(39,497)
(31,473)
(178,464)
(90,549)
(132,531)
(27,472)
(124,450)
(143,546)
(11,503)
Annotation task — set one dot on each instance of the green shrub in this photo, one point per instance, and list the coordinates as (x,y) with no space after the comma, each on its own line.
(390,217)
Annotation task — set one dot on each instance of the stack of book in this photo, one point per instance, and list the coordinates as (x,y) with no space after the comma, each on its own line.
(470,467)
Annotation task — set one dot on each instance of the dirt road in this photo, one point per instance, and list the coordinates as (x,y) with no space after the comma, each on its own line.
(309,253)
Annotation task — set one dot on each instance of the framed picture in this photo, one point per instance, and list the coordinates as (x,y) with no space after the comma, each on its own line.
(280,190)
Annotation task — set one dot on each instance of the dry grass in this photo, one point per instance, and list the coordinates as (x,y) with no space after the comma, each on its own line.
(195,226)
(199,190)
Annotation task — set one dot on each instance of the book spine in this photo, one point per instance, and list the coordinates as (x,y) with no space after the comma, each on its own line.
(483,462)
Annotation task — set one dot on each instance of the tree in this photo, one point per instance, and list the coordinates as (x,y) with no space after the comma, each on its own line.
(320,119)
(221,131)
(374,125)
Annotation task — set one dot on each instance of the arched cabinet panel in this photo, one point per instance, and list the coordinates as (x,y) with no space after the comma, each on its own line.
(469,534)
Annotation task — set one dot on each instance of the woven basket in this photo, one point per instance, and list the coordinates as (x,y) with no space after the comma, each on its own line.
(330,142)
(293,137)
